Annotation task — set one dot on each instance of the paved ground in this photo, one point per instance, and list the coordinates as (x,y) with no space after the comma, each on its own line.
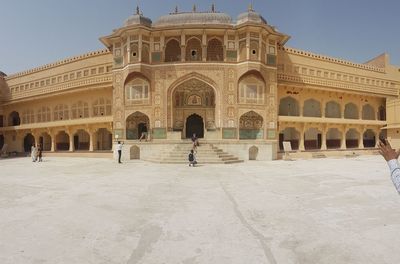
(74,210)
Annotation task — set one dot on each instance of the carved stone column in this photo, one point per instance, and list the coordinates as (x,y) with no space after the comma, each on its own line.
(361,138)
(301,143)
(323,138)
(343,141)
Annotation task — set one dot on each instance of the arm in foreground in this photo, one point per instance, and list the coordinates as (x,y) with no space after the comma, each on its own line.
(391,156)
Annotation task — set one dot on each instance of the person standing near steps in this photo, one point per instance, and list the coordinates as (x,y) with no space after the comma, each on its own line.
(391,156)
(119,149)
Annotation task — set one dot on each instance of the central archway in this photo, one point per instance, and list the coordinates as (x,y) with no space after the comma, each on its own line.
(194,125)
(192,95)
(137,124)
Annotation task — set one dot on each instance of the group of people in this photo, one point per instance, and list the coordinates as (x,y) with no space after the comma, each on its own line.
(193,152)
(36,153)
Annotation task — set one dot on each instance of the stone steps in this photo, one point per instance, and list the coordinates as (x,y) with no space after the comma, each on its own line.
(205,154)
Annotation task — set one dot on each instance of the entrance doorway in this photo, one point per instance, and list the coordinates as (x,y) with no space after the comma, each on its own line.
(29,140)
(194,125)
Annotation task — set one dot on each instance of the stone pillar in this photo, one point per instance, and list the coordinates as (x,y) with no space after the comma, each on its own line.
(301,143)
(343,141)
(323,138)
(361,138)
(204,46)
(92,140)
(301,106)
(53,142)
(183,53)
(71,140)
(248,46)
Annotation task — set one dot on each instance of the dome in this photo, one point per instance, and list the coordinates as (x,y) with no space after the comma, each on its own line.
(199,18)
(138,19)
(251,16)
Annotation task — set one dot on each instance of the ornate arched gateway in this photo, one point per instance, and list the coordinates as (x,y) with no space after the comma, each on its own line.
(193,108)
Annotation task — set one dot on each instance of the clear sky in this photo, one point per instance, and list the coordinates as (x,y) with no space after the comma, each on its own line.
(36,32)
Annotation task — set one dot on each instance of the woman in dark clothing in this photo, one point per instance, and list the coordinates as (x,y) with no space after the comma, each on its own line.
(39,153)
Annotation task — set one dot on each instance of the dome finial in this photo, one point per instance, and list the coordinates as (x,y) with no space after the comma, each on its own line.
(250,7)
(137,10)
(194,8)
(176,9)
(213,8)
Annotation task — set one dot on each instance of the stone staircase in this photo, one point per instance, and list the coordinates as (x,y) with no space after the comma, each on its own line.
(206,154)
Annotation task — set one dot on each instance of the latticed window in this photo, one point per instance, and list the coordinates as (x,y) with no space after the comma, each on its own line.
(61,112)
(215,50)
(44,114)
(173,51)
(28,116)
(102,107)
(137,90)
(251,90)
(80,110)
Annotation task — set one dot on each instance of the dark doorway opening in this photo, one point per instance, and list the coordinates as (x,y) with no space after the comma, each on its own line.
(194,125)
(76,142)
(1,141)
(29,140)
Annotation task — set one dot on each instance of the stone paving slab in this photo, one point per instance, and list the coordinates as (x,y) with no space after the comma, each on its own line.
(76,210)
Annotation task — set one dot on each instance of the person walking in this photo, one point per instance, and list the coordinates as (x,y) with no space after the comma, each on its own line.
(144,133)
(33,153)
(391,156)
(39,153)
(192,158)
(119,149)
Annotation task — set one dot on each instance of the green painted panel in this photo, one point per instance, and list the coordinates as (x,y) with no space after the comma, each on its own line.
(132,134)
(251,134)
(119,133)
(271,134)
(159,133)
(118,61)
(229,133)
(271,60)
(231,55)
(156,57)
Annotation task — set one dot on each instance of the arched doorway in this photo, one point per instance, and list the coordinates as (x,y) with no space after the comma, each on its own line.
(194,125)
(134,153)
(312,139)
(352,137)
(333,138)
(369,140)
(253,153)
(104,139)
(136,124)
(1,141)
(289,134)
(45,141)
(14,119)
(29,140)
(289,106)
(81,140)
(62,141)
(192,96)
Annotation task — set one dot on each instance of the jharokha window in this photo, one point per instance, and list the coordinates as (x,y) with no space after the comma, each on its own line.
(80,110)
(44,114)
(251,90)
(28,116)
(61,112)
(137,91)
(102,107)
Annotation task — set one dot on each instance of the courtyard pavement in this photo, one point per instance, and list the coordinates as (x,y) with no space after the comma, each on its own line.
(79,211)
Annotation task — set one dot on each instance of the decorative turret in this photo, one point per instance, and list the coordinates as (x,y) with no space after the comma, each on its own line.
(251,16)
(138,19)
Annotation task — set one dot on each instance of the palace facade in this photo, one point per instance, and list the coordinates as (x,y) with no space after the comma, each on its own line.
(233,83)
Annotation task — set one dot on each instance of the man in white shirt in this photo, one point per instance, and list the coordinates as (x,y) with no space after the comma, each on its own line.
(119,149)
(391,156)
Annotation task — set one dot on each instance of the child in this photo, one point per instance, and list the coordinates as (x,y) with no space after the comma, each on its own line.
(192,158)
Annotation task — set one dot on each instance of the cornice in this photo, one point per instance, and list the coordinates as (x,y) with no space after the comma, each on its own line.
(59,63)
(308,54)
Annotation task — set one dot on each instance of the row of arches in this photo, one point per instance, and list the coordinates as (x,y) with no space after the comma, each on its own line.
(289,106)
(80,109)
(78,141)
(194,50)
(313,138)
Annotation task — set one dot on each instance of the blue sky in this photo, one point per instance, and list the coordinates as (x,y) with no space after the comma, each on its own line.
(36,32)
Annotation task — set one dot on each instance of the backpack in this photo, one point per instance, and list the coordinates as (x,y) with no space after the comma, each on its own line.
(191,157)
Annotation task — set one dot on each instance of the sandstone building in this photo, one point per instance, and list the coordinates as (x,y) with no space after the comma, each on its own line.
(233,83)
